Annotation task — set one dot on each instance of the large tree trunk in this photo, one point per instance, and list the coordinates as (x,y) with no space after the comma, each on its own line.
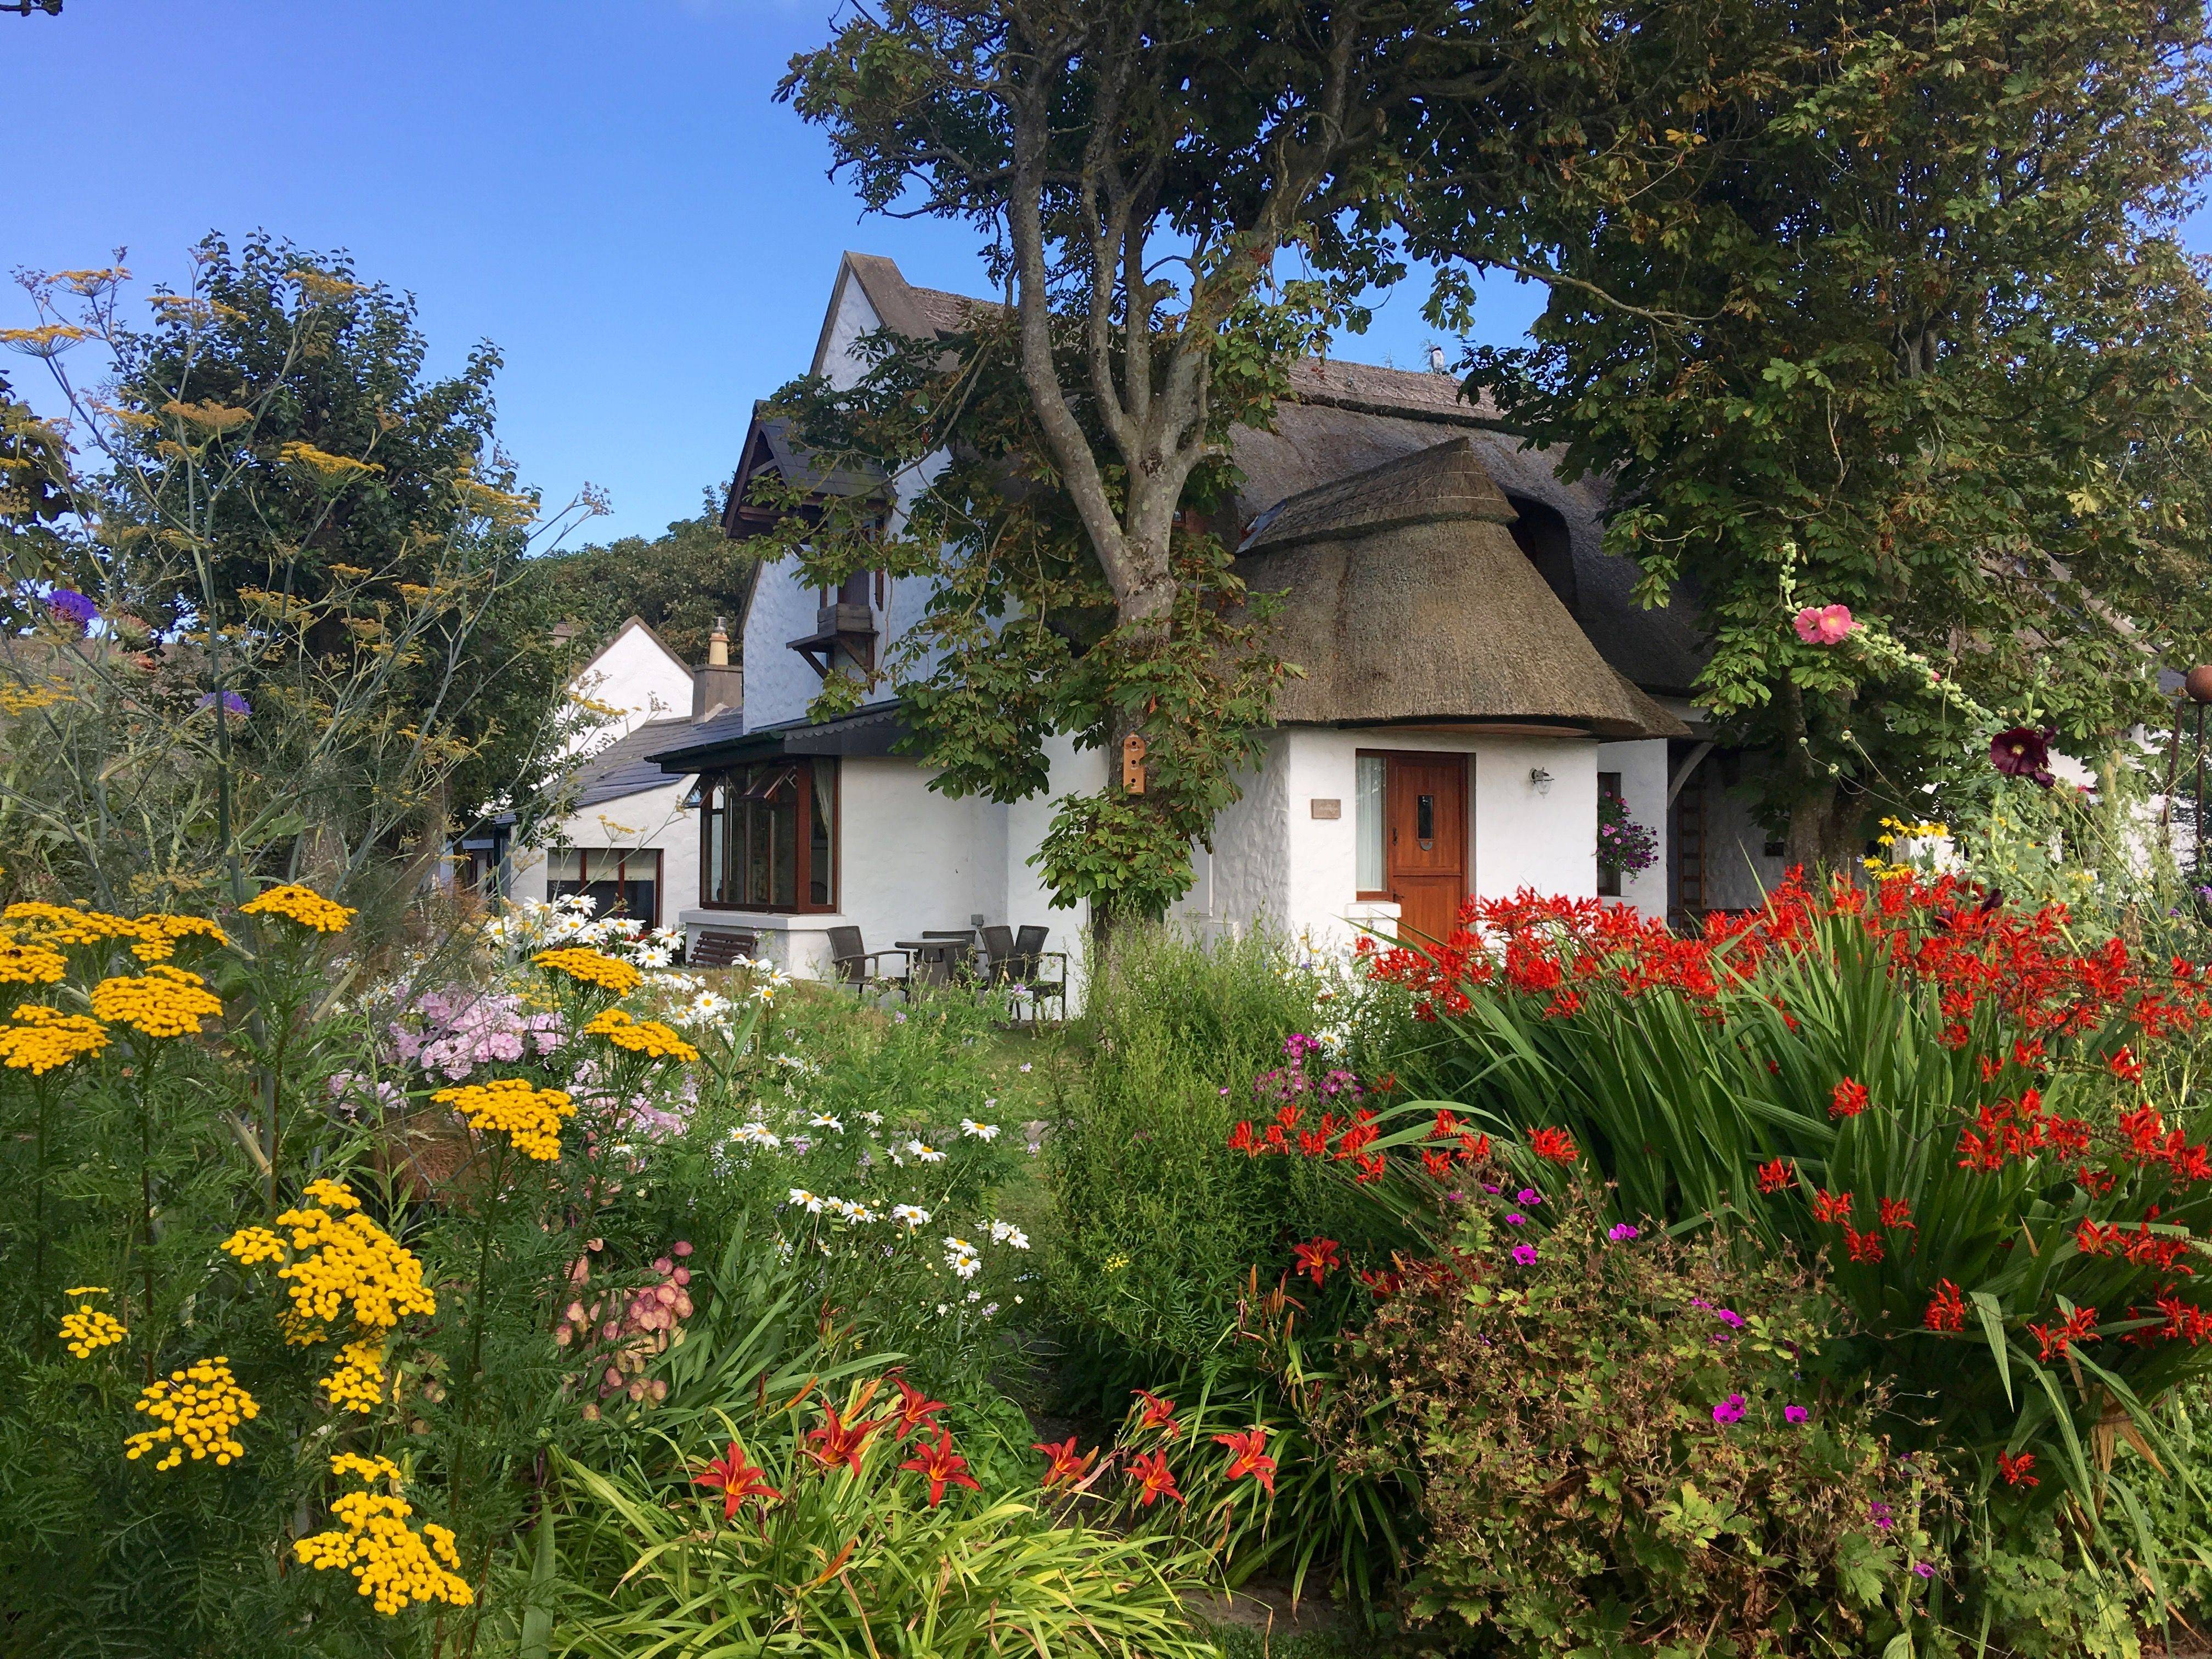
(1824,830)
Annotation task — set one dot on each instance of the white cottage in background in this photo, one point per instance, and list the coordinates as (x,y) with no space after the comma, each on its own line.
(631,842)
(1476,673)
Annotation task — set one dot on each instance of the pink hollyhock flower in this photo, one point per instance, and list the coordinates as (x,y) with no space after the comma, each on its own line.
(1823,624)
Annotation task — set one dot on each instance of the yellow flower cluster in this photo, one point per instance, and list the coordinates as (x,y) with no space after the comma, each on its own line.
(1893,830)
(56,926)
(87,1330)
(42,1038)
(640,1036)
(358,1383)
(197,1409)
(166,1002)
(158,935)
(392,1563)
(301,904)
(30,964)
(510,1106)
(592,967)
(343,1266)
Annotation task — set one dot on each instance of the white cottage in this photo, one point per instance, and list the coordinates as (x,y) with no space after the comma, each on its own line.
(1476,673)
(631,839)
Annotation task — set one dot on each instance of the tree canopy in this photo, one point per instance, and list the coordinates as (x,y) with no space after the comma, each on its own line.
(1884,309)
(677,583)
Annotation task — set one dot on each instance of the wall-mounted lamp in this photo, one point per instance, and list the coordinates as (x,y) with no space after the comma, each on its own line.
(1540,781)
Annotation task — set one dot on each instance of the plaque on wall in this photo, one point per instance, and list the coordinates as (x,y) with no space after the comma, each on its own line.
(1327,808)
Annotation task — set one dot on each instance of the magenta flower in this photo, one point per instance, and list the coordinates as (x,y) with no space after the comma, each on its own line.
(1514,1218)
(1794,1413)
(1621,1232)
(1881,1514)
(1823,624)
(1525,1254)
(1921,1569)
(1730,1410)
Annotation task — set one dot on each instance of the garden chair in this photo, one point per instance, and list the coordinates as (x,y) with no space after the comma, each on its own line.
(1025,970)
(851,963)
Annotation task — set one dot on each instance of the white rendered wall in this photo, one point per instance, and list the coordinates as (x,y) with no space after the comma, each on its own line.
(649,818)
(636,677)
(1277,866)
(1642,768)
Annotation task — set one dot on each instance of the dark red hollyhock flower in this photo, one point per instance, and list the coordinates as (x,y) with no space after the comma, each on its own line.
(2023,752)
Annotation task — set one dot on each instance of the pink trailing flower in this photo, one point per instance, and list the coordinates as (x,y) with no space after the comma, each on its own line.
(1824,624)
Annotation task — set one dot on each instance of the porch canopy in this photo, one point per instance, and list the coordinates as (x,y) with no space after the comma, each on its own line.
(716,744)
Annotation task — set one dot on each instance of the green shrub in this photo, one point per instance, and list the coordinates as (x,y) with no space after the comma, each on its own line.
(1633,1442)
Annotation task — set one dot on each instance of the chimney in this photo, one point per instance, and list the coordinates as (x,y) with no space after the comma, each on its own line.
(719,686)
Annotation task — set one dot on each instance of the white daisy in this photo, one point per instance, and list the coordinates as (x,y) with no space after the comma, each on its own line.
(927,1154)
(812,1204)
(1005,1233)
(910,1215)
(981,1130)
(823,1121)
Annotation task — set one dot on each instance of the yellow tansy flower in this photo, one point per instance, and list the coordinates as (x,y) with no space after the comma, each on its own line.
(343,1267)
(158,935)
(42,1038)
(65,924)
(641,1036)
(510,1106)
(197,1410)
(30,964)
(391,1563)
(166,1002)
(87,1330)
(592,967)
(358,1383)
(303,905)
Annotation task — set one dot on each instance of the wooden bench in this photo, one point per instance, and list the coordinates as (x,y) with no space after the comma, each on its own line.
(715,947)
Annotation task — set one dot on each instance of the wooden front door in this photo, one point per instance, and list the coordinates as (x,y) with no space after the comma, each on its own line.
(1425,847)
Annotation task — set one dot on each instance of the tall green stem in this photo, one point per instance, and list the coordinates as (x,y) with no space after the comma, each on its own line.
(146,1199)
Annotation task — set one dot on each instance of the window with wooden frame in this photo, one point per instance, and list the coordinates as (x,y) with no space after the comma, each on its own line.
(768,836)
(620,881)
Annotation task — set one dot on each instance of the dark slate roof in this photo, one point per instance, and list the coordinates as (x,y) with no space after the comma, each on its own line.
(625,767)
(723,741)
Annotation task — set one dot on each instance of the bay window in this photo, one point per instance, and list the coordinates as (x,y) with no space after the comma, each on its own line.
(768,836)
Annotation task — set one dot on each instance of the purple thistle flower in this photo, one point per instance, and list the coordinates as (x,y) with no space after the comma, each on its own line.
(1621,1232)
(70,606)
(1794,1413)
(1730,1410)
(1525,1254)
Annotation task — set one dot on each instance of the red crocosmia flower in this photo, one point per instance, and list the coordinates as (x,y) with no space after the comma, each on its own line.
(2125,1066)
(1063,1465)
(2023,752)
(840,1442)
(1831,1206)
(1316,1257)
(2096,1237)
(1473,1149)
(1438,1164)
(940,1465)
(1896,1213)
(1776,1176)
(1241,1140)
(1370,1167)
(1947,1308)
(2015,1469)
(1248,1455)
(1445,1127)
(738,1481)
(915,1410)
(1864,1247)
(1848,1099)
(1158,1413)
(1150,1471)
(1556,1144)
(2055,1338)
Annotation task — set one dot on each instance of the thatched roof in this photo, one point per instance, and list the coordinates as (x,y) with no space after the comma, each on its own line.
(1406,601)
(1349,417)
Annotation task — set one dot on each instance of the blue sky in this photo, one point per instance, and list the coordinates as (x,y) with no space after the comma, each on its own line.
(605,191)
